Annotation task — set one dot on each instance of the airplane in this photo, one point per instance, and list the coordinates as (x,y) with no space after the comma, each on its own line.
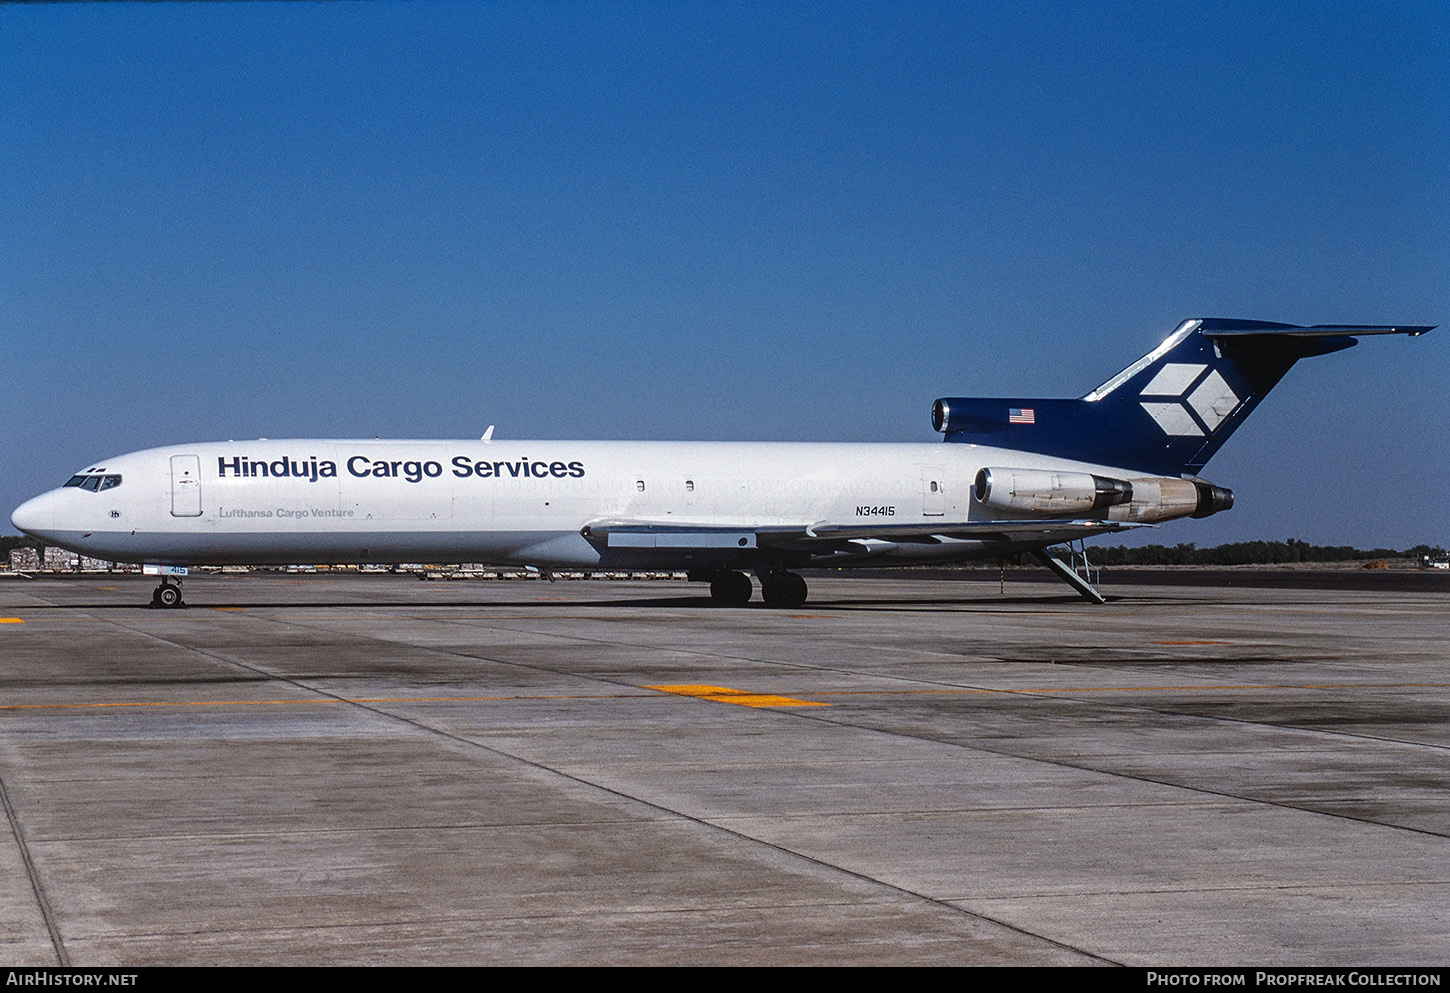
(1016,475)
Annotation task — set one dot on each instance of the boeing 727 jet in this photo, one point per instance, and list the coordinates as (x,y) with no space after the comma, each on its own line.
(1015,475)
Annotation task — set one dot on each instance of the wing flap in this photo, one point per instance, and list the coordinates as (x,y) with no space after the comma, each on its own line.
(1007,530)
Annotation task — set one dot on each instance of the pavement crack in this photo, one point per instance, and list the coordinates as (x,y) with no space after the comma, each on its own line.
(33,873)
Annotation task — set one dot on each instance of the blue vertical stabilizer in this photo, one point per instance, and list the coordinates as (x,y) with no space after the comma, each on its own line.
(1166,414)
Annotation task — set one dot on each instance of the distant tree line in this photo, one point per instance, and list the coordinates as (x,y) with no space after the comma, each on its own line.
(1249,553)
(9,541)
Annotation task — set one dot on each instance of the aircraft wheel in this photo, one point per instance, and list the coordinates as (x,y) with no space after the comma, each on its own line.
(731,589)
(784,590)
(167,595)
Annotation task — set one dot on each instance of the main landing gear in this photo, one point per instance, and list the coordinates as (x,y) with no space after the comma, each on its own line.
(782,589)
(731,589)
(777,589)
(168,594)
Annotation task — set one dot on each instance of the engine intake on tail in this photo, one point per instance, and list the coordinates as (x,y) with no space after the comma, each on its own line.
(941,415)
(975,415)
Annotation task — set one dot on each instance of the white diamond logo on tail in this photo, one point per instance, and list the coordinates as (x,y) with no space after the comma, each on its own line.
(1173,380)
(1173,419)
(1214,400)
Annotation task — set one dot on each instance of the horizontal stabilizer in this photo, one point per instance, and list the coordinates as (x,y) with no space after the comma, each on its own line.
(1167,413)
(1218,327)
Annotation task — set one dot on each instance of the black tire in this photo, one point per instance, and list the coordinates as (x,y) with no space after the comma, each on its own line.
(784,590)
(731,589)
(168,595)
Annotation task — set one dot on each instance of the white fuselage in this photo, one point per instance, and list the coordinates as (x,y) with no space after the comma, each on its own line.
(509,502)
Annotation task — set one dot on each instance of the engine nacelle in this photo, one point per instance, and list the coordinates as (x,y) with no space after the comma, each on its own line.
(941,415)
(1044,491)
(978,415)
(1164,498)
(1212,499)
(1146,499)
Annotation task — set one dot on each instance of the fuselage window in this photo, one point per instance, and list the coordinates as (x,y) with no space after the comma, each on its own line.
(75,481)
(110,482)
(91,483)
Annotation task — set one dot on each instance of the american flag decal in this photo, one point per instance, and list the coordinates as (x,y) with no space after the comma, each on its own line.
(1021,415)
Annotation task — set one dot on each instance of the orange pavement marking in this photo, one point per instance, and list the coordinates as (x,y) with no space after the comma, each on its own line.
(723,694)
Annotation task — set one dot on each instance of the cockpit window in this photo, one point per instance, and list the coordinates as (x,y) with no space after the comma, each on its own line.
(94,483)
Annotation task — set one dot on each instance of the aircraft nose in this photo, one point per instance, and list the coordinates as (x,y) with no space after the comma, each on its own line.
(34,516)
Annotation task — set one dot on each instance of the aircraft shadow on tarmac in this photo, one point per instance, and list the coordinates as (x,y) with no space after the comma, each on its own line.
(691,602)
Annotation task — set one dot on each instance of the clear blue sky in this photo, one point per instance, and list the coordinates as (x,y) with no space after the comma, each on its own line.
(755,221)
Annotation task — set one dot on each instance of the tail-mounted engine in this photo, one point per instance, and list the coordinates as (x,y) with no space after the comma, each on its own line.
(1040,491)
(1047,492)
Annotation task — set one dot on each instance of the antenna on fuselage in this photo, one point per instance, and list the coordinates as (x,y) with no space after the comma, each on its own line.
(487,435)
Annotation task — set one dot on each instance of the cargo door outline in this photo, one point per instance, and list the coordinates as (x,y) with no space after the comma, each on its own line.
(185,486)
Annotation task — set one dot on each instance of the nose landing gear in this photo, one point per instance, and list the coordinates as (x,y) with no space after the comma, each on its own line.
(168,594)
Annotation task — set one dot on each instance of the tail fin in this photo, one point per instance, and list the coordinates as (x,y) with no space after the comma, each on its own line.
(1167,413)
